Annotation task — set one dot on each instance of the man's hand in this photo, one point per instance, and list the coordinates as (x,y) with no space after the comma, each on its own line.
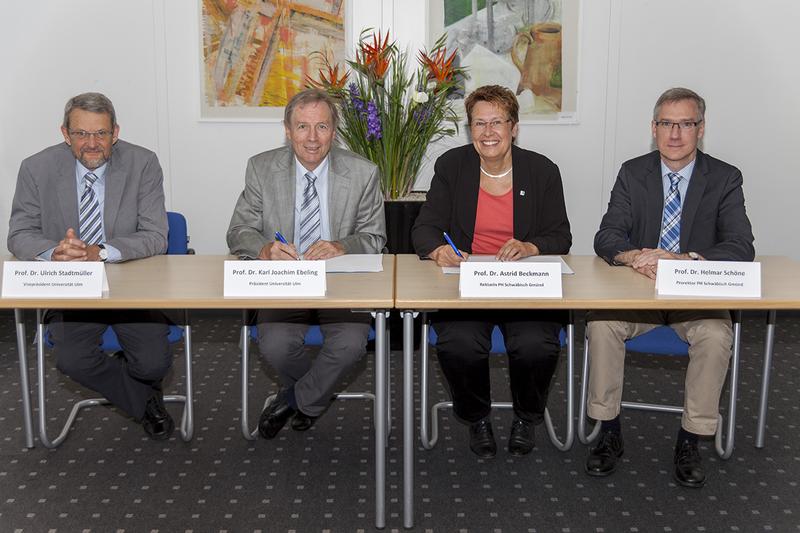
(323,250)
(71,248)
(277,251)
(446,257)
(646,262)
(514,250)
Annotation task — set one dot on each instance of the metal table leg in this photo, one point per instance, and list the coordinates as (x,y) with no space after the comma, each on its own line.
(408,419)
(769,345)
(381,365)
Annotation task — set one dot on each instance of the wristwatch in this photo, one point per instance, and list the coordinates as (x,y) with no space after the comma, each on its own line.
(694,256)
(103,253)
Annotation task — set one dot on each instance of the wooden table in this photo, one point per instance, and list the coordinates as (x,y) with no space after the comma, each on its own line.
(421,286)
(196,282)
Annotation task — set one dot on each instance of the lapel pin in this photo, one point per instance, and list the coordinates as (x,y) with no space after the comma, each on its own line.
(522,193)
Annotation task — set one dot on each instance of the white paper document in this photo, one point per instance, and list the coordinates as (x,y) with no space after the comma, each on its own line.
(565,269)
(355,263)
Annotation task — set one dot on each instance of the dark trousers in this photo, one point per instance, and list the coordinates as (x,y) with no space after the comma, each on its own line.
(532,344)
(127,381)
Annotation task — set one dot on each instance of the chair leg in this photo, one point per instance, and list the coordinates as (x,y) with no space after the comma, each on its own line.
(24,384)
(726,450)
(247,433)
(570,430)
(769,345)
(187,419)
(427,436)
(582,435)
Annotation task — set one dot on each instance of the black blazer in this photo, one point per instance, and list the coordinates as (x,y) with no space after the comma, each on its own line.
(540,216)
(713,218)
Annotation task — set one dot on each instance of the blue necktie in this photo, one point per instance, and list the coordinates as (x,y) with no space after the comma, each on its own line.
(89,216)
(671,224)
(310,220)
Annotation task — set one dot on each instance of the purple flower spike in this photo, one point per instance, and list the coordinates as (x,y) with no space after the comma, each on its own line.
(355,98)
(373,122)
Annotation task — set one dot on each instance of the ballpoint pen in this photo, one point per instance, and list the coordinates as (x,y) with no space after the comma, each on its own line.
(453,246)
(280,237)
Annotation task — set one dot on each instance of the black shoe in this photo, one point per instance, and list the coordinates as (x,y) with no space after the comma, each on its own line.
(302,422)
(688,470)
(602,460)
(481,439)
(274,417)
(521,440)
(157,422)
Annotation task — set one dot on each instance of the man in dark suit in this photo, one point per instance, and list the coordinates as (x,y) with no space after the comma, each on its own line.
(97,198)
(675,203)
(325,202)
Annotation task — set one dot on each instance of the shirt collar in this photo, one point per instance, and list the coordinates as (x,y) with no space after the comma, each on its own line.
(320,172)
(100,172)
(685,172)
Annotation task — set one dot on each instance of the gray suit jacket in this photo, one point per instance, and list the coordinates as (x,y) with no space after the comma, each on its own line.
(46,202)
(714,222)
(267,204)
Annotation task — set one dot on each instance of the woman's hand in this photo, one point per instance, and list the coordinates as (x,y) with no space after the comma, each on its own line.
(514,250)
(446,257)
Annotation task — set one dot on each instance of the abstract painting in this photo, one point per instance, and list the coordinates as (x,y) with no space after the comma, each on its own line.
(256,54)
(529,46)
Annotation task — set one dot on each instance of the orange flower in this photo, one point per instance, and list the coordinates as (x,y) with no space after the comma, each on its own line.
(377,56)
(331,82)
(440,67)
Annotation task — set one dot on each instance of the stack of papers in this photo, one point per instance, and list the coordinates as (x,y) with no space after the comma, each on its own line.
(565,269)
(355,263)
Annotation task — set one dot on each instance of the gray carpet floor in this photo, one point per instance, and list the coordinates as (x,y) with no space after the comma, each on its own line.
(108,477)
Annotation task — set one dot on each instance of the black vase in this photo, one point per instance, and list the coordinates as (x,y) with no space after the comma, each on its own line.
(400,217)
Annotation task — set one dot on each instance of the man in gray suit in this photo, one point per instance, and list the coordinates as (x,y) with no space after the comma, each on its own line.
(674,203)
(324,202)
(97,198)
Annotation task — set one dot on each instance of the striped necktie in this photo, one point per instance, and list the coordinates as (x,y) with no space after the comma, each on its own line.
(310,221)
(671,224)
(89,216)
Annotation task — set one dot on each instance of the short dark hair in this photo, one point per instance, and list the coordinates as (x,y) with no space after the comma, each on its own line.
(93,102)
(494,94)
(310,96)
(676,94)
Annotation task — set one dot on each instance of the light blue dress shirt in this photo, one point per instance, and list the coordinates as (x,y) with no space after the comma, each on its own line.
(321,172)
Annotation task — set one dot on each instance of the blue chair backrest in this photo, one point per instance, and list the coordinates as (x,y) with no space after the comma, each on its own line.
(178,237)
(313,335)
(498,344)
(661,340)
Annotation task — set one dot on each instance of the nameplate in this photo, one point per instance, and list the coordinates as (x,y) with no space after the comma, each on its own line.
(272,279)
(53,279)
(510,280)
(724,279)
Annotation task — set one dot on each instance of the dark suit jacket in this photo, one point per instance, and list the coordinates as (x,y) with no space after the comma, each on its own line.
(713,218)
(540,216)
(46,202)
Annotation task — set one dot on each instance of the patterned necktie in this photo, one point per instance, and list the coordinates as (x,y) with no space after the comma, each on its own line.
(310,221)
(91,223)
(671,225)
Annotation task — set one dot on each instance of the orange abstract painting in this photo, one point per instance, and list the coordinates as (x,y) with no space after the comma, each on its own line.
(257,53)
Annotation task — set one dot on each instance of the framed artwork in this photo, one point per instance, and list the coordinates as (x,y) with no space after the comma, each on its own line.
(256,54)
(529,46)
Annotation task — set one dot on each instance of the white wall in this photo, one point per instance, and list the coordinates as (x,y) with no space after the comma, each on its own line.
(741,55)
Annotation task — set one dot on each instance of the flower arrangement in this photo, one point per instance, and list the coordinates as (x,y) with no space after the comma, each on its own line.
(388,115)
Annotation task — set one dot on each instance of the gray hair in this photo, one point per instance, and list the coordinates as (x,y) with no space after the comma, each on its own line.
(676,94)
(310,96)
(93,102)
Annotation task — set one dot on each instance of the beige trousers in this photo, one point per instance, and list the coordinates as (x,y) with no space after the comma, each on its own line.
(710,338)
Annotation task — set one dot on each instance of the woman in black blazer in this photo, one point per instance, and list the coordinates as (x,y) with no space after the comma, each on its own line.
(492,197)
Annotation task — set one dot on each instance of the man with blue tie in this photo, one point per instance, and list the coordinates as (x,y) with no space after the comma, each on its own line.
(674,203)
(309,200)
(97,198)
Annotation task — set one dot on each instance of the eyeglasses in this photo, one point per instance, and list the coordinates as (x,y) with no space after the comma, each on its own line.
(480,125)
(684,125)
(100,135)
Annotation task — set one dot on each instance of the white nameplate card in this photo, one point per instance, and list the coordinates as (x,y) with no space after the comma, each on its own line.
(732,279)
(53,279)
(284,279)
(510,279)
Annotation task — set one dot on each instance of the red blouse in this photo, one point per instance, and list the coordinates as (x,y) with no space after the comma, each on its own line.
(494,222)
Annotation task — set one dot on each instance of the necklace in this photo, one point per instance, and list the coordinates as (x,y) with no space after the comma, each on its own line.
(498,176)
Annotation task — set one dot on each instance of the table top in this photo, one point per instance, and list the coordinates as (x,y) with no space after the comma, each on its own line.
(196,282)
(421,285)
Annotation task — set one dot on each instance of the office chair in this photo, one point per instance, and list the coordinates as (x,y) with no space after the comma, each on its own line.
(498,346)
(313,338)
(664,341)
(178,240)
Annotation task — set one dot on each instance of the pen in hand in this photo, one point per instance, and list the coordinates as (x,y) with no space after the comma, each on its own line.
(452,245)
(281,239)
